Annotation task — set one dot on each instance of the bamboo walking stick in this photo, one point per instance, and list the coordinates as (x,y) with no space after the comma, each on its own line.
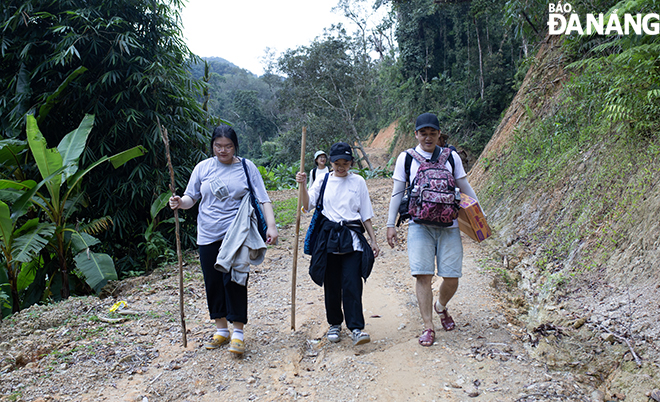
(295,248)
(163,134)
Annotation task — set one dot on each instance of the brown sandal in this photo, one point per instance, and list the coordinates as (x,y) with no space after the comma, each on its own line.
(446,320)
(427,338)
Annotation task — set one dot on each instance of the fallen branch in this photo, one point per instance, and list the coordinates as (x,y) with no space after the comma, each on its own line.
(627,342)
(112,320)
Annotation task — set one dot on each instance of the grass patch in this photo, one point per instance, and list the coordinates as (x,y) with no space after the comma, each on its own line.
(285,211)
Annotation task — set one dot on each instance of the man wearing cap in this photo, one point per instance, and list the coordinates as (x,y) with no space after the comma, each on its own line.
(429,244)
(320,158)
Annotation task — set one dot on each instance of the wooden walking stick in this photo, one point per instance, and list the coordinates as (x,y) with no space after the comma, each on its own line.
(163,134)
(295,248)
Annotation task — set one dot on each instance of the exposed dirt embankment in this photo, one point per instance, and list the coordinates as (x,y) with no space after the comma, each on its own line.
(600,296)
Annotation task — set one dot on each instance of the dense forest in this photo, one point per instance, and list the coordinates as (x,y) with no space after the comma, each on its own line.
(108,78)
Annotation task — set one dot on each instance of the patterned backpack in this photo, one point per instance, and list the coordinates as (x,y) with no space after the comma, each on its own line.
(434,196)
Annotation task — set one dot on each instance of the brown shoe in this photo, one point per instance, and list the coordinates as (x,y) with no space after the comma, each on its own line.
(445,319)
(427,338)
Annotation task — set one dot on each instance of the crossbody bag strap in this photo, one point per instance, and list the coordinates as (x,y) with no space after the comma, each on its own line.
(325,181)
(247,175)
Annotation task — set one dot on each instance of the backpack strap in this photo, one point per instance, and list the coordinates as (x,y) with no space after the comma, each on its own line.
(325,181)
(314,175)
(406,166)
(437,153)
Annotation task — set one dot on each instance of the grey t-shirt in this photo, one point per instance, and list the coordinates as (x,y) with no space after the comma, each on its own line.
(221,188)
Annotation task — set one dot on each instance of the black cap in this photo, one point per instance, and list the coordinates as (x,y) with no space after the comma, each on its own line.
(427,120)
(340,150)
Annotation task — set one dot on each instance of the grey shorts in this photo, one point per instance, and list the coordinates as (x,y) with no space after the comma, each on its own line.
(428,245)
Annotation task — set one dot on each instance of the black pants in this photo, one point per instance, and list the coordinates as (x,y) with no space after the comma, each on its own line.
(226,299)
(343,284)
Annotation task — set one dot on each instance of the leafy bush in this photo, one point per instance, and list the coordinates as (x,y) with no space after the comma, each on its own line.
(280,177)
(373,173)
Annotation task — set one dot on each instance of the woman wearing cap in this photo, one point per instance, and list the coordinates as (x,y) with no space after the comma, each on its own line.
(320,158)
(341,255)
(220,182)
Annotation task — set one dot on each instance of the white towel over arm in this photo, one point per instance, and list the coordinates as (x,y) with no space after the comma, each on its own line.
(242,245)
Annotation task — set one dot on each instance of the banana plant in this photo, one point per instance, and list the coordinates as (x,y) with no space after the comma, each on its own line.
(20,239)
(19,246)
(62,178)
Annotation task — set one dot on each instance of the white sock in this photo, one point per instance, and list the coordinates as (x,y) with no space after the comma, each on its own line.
(222,332)
(238,334)
(439,306)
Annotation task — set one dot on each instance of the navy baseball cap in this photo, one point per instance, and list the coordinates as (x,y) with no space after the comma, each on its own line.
(427,120)
(341,150)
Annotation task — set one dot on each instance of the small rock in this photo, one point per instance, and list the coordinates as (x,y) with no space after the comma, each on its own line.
(598,396)
(579,323)
(474,393)
(655,395)
(606,337)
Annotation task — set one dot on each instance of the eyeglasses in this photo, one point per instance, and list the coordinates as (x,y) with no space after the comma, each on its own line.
(221,147)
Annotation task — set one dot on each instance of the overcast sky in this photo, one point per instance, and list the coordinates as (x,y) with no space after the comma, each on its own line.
(240,31)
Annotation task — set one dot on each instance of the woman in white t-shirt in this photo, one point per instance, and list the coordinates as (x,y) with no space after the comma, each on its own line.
(341,255)
(220,183)
(320,159)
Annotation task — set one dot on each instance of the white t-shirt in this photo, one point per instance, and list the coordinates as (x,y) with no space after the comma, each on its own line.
(319,175)
(400,169)
(345,199)
(216,215)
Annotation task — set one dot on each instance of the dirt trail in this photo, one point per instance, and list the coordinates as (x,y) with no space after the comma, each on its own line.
(84,359)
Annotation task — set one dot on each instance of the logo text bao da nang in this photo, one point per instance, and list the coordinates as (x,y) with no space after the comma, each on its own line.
(626,24)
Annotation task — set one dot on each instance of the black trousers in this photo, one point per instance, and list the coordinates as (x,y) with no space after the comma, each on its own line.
(343,285)
(226,299)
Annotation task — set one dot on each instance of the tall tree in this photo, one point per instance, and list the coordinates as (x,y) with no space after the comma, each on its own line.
(123,61)
(331,81)
(459,60)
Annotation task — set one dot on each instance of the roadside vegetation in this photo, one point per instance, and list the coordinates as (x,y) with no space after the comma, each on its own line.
(598,147)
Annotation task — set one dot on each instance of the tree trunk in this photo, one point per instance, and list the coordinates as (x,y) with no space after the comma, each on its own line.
(15,301)
(13,285)
(488,44)
(365,156)
(356,139)
(481,64)
(65,292)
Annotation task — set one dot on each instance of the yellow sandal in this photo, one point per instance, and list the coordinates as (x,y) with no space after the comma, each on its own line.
(218,340)
(237,346)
